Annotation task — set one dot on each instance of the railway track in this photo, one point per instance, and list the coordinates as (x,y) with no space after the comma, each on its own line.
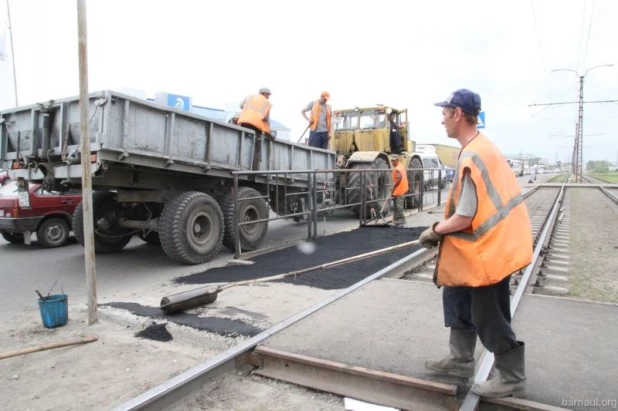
(610,192)
(547,274)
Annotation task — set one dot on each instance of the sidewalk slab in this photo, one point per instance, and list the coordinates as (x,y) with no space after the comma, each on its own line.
(394,326)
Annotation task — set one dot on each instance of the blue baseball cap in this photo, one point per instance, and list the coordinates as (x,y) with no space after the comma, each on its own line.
(468,101)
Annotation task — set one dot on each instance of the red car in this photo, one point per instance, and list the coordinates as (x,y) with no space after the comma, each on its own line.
(48,214)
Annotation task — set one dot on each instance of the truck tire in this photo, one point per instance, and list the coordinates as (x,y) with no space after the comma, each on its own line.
(251,236)
(53,232)
(13,238)
(415,177)
(104,205)
(376,186)
(150,238)
(191,228)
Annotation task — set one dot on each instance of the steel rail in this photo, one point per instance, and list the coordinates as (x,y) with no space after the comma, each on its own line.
(173,390)
(471,401)
(609,194)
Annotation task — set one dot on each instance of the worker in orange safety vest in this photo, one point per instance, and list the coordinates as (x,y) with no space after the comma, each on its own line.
(255,112)
(320,122)
(484,238)
(400,189)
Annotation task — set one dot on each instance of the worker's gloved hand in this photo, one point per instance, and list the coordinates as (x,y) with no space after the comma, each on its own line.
(429,238)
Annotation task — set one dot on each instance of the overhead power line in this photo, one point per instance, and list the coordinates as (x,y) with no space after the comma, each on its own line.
(538,40)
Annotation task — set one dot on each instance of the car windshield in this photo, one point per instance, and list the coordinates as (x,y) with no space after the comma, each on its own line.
(346,121)
(371,119)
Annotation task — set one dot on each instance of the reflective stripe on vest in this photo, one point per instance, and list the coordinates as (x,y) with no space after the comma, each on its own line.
(403,187)
(502,211)
(316,110)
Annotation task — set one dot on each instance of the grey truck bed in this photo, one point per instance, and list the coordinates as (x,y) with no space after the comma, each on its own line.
(127,132)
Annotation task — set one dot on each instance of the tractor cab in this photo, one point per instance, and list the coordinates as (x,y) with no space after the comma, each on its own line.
(368,129)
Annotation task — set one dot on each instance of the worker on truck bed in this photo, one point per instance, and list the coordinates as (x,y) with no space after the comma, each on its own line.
(255,112)
(400,189)
(484,238)
(320,121)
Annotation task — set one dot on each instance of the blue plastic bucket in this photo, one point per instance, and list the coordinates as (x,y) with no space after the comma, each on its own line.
(54,310)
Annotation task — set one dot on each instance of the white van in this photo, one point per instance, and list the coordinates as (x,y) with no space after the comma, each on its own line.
(430,177)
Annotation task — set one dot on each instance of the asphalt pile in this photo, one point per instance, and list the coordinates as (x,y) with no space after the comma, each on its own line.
(156,332)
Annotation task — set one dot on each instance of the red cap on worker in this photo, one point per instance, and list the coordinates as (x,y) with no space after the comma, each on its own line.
(325,94)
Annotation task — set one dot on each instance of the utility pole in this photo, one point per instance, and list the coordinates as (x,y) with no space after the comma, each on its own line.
(8,11)
(578,146)
(580,133)
(91,285)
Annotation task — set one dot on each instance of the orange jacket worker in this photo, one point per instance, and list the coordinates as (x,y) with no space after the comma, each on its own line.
(484,238)
(255,112)
(320,122)
(400,189)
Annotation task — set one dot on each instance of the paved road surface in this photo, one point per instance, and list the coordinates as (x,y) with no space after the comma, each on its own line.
(140,269)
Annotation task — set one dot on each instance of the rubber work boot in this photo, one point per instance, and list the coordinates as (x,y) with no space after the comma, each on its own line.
(460,362)
(510,380)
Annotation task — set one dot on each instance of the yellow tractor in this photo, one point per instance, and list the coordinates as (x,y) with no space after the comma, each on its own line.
(362,141)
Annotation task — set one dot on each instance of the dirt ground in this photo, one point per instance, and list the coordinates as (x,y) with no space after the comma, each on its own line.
(120,365)
(242,392)
(593,243)
(93,376)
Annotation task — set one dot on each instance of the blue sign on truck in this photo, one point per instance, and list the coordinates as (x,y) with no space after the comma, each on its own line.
(182,103)
(179,102)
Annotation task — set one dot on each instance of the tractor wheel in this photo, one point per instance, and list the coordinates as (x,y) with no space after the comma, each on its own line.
(376,187)
(415,178)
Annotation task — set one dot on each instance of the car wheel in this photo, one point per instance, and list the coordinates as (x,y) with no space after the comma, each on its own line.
(53,232)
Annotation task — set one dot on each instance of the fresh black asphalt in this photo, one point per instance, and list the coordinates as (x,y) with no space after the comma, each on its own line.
(327,249)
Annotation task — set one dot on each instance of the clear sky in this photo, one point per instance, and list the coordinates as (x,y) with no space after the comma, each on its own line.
(401,53)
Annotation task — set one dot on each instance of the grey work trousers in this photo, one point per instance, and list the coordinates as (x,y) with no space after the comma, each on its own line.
(484,309)
(398,217)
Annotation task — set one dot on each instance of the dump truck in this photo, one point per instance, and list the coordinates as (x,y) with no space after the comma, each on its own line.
(168,176)
(361,139)
(159,173)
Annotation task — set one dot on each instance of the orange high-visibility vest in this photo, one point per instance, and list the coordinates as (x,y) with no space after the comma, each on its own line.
(255,111)
(403,187)
(499,241)
(315,115)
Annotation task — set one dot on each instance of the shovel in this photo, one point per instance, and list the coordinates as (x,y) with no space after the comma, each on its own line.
(208,295)
(381,215)
(301,137)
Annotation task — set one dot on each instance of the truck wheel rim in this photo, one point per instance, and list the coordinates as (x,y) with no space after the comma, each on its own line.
(250,213)
(200,230)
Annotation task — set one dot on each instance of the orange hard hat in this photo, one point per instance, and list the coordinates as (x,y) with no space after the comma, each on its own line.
(325,94)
